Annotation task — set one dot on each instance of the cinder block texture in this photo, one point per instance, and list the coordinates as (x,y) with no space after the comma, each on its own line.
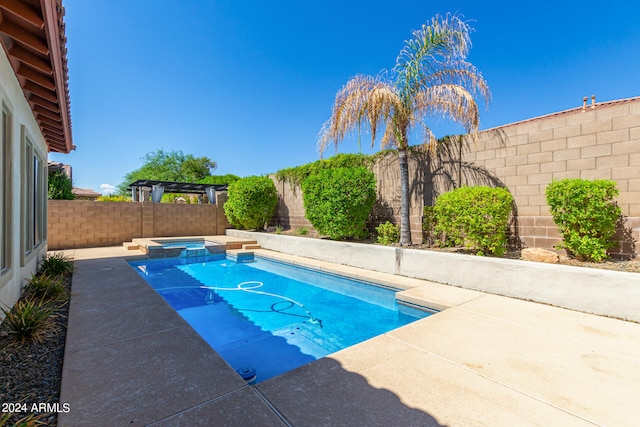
(83,223)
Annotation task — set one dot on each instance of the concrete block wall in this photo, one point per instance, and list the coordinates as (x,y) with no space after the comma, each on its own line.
(592,143)
(83,223)
(290,212)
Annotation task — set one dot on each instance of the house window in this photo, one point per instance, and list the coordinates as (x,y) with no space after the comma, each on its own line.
(5,190)
(35,197)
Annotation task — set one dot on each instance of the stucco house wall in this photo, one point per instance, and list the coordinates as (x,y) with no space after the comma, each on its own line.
(19,127)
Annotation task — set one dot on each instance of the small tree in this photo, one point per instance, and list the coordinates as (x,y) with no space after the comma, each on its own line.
(338,201)
(586,215)
(252,202)
(60,187)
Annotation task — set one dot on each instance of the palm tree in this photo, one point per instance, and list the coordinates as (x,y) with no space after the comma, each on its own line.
(431,77)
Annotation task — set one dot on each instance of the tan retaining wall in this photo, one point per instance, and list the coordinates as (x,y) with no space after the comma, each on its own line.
(82,224)
(594,143)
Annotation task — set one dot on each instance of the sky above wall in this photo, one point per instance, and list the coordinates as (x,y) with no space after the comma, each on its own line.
(249,84)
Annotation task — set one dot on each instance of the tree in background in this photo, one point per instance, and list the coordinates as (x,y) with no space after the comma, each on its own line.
(431,77)
(174,166)
(60,187)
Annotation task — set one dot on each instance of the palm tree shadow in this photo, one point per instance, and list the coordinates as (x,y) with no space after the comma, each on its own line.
(443,169)
(323,393)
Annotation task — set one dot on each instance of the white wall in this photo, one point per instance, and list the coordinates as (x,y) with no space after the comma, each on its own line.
(21,266)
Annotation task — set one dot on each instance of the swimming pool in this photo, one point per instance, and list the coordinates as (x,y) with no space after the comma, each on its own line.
(270,316)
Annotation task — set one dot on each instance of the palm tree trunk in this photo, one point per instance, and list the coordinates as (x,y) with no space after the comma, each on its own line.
(405,229)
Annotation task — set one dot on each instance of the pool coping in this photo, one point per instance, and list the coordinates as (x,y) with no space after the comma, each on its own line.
(131,359)
(590,290)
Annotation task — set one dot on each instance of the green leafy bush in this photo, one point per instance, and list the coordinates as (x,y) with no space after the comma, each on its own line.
(338,201)
(428,224)
(388,233)
(586,215)
(113,198)
(474,217)
(60,187)
(296,175)
(252,202)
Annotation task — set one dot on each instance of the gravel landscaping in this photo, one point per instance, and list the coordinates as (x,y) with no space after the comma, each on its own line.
(30,373)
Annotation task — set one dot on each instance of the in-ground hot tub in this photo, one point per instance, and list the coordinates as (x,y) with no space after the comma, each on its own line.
(173,248)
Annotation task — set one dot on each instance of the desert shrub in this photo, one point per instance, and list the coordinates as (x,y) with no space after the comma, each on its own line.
(338,201)
(29,320)
(252,202)
(388,233)
(55,264)
(46,288)
(586,215)
(474,217)
(60,187)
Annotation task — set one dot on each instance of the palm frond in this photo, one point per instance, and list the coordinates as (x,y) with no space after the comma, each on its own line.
(364,100)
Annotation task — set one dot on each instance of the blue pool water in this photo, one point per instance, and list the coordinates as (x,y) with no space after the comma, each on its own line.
(271,316)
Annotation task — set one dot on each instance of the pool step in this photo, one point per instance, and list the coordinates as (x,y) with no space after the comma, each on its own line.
(240,255)
(130,246)
(250,246)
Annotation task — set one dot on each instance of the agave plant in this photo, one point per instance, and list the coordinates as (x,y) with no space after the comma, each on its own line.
(46,288)
(431,77)
(56,264)
(29,320)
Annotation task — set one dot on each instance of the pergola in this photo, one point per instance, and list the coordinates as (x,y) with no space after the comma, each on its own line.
(157,188)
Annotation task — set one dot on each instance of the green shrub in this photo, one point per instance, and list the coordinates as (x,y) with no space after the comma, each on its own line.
(388,233)
(474,217)
(55,264)
(29,320)
(60,187)
(252,202)
(428,224)
(338,201)
(586,215)
(302,231)
(113,198)
(296,175)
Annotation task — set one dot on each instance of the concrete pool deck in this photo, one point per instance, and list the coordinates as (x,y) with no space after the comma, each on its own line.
(130,359)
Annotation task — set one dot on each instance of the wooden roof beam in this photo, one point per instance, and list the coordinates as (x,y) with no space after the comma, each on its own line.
(41,111)
(52,130)
(30,59)
(36,77)
(23,36)
(22,11)
(40,91)
(55,123)
(44,103)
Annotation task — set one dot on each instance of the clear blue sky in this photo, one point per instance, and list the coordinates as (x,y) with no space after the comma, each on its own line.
(250,83)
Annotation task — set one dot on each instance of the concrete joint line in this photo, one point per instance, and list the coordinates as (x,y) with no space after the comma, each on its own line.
(204,402)
(522,392)
(129,339)
(273,408)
